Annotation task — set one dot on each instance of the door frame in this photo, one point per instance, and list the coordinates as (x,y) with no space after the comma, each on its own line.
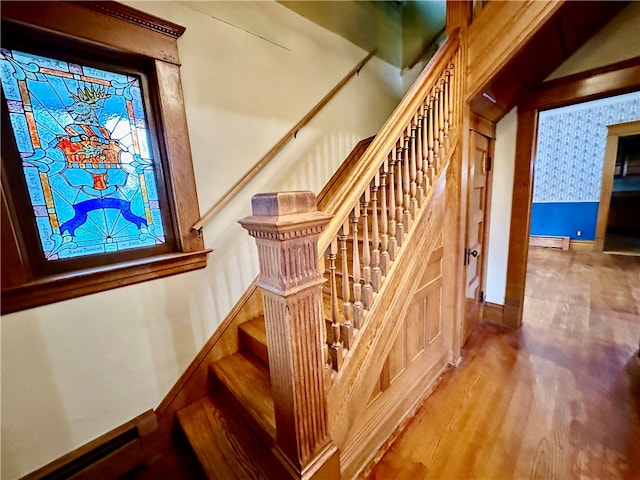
(618,78)
(615,132)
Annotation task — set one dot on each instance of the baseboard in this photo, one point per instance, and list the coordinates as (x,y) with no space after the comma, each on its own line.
(493,313)
(561,243)
(582,245)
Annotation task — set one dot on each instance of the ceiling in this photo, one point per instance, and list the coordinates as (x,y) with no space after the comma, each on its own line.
(401,32)
(573,24)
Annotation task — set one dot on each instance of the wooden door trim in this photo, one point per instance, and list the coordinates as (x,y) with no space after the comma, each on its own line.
(482,125)
(615,132)
(622,77)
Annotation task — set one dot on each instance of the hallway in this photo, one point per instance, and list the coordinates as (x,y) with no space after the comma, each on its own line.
(557,399)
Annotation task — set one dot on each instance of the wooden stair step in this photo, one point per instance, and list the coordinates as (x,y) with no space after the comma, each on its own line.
(247,383)
(225,447)
(253,338)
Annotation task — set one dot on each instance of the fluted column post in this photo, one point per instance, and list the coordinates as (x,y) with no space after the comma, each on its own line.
(286,227)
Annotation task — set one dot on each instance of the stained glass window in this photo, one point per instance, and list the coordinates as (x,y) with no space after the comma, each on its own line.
(82,134)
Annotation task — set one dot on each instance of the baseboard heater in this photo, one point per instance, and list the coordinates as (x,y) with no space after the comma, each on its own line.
(560,243)
(110,456)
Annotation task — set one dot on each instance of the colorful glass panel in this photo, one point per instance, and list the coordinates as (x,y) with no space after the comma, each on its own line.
(83,139)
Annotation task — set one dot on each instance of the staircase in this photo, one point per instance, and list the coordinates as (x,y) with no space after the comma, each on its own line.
(232,429)
(323,375)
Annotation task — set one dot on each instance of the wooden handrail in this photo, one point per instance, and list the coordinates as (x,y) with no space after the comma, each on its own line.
(340,204)
(247,177)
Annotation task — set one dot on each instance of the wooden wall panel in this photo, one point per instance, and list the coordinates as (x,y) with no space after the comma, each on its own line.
(416,329)
(499,33)
(434,312)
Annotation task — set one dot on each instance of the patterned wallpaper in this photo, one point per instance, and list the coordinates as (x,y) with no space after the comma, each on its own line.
(571,147)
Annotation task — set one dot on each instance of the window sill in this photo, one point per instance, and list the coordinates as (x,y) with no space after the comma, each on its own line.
(55,288)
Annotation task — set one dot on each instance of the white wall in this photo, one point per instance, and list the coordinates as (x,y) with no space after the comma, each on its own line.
(504,153)
(250,70)
(616,41)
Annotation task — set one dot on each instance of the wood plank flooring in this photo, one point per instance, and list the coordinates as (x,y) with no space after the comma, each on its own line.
(557,399)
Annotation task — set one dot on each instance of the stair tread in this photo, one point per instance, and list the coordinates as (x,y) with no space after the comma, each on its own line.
(222,444)
(249,383)
(253,335)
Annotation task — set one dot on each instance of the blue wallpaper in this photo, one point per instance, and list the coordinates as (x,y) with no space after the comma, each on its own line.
(571,147)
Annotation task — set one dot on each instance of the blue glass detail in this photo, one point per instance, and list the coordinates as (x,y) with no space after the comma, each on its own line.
(34,186)
(41,62)
(138,108)
(83,153)
(150,182)
(9,82)
(21,132)
(104,75)
(44,227)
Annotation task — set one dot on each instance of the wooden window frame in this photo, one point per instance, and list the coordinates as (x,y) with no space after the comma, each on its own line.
(114,29)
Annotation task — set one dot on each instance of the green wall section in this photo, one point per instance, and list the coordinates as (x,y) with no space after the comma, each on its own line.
(399,31)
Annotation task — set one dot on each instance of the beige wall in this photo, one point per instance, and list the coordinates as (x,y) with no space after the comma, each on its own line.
(76,369)
(616,41)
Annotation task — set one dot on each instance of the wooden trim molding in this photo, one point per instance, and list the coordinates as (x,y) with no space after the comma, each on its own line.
(520,217)
(137,17)
(55,288)
(614,79)
(615,132)
(493,313)
(582,245)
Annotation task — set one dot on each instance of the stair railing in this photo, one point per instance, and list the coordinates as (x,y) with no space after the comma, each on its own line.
(374,211)
(397,173)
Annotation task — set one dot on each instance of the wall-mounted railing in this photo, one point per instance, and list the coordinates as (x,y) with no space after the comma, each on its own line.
(290,135)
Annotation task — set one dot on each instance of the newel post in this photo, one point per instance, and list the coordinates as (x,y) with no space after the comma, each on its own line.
(286,227)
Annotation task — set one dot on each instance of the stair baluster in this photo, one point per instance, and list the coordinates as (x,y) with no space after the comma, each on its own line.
(420,175)
(413,167)
(440,101)
(393,241)
(424,143)
(367,290)
(432,140)
(357,287)
(400,227)
(335,345)
(384,220)
(445,109)
(347,306)
(407,217)
(376,272)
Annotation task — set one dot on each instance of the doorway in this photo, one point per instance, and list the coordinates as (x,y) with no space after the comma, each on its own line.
(481,139)
(618,227)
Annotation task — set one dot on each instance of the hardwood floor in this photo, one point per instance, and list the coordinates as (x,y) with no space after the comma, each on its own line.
(557,399)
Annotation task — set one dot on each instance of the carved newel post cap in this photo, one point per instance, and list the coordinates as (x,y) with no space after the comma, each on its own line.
(284,212)
(283,203)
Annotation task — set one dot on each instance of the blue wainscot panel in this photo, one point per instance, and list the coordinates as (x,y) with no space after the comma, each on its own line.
(564,220)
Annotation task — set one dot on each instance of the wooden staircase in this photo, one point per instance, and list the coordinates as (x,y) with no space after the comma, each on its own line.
(232,429)
(314,389)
